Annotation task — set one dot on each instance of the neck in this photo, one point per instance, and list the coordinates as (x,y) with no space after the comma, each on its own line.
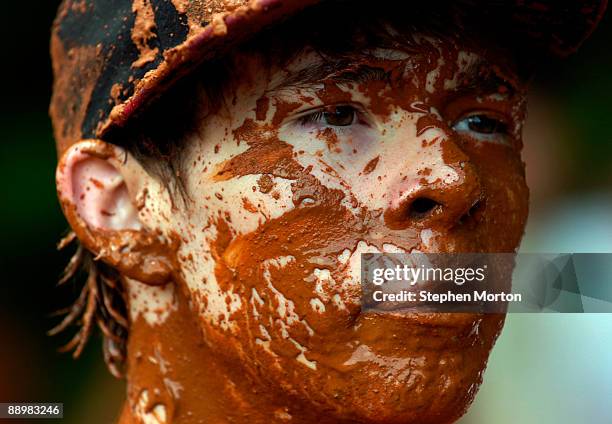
(173,377)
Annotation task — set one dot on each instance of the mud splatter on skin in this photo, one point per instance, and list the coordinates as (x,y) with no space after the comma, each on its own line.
(246,203)
(264,156)
(330,138)
(371,165)
(265,183)
(273,279)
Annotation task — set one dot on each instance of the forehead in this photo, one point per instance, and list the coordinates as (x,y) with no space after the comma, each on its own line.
(476,66)
(391,54)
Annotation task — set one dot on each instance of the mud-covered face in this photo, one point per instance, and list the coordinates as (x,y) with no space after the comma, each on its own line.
(307,167)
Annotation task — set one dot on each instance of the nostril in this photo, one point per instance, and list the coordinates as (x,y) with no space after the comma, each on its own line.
(422,207)
(417,210)
(475,207)
(473,210)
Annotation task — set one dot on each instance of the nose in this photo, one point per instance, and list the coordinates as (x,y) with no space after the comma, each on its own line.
(439,200)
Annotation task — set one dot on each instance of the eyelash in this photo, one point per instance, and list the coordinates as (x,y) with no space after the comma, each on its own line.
(311,117)
(499,128)
(320,114)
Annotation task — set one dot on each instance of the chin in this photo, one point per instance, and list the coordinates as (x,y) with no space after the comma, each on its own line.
(390,413)
(425,394)
(404,372)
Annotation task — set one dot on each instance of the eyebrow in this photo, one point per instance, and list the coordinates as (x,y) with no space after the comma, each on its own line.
(480,76)
(483,76)
(339,72)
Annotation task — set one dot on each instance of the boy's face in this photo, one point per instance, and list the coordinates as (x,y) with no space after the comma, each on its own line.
(306,167)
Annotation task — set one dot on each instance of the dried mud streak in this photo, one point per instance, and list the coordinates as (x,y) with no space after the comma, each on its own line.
(264,156)
(143,32)
(371,166)
(75,72)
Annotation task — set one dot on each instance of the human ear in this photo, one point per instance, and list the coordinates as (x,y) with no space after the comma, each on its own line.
(97,185)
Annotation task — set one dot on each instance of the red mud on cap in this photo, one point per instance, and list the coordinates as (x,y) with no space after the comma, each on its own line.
(112,57)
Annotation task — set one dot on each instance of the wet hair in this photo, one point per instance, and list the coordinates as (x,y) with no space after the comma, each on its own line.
(157,137)
(101,303)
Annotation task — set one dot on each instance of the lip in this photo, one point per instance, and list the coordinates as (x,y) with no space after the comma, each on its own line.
(414,316)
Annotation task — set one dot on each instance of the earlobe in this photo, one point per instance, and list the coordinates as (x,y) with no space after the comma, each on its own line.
(92,182)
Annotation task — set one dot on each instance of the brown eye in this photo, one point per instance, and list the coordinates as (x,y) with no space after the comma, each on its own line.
(339,116)
(333,116)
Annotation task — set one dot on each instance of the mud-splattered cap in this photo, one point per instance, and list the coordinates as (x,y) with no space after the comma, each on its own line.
(113,57)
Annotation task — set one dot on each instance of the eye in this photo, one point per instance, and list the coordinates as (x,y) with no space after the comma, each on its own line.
(334,116)
(481,124)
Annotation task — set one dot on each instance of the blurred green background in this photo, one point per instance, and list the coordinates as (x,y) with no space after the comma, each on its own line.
(544,369)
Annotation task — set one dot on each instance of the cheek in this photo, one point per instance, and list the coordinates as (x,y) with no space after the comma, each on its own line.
(244,202)
(363,162)
(220,212)
(335,158)
(504,174)
(507,202)
(219,209)
(222,186)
